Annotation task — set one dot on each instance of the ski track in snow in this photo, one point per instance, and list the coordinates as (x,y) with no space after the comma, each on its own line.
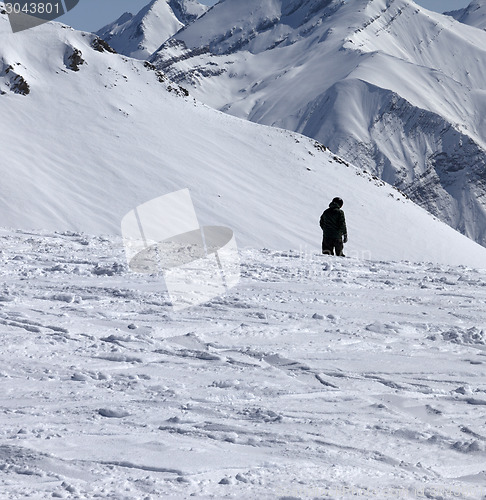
(316,377)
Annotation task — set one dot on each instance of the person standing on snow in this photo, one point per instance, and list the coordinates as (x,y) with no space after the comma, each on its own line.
(334,231)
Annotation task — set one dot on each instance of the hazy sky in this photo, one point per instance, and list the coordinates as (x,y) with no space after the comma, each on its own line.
(91,15)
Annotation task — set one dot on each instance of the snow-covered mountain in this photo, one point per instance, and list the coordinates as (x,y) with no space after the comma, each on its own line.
(474,14)
(388,85)
(141,34)
(88,135)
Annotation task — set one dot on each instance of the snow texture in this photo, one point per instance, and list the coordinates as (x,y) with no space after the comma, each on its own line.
(316,377)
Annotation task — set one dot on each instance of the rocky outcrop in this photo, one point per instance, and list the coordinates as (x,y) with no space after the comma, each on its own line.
(13,81)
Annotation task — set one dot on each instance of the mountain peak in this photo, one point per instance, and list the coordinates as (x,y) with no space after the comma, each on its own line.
(140,35)
(473,15)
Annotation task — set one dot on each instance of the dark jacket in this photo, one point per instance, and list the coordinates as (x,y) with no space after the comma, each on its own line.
(333,222)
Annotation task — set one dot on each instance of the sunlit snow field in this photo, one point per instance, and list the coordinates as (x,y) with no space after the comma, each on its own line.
(316,377)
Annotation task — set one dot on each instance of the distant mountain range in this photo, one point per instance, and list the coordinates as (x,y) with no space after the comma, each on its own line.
(386,84)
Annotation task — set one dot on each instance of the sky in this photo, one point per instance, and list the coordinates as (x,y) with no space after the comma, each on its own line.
(91,15)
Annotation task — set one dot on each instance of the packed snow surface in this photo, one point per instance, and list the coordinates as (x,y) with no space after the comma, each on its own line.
(316,377)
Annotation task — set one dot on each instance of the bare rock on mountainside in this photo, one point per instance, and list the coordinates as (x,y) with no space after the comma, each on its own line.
(74,59)
(13,81)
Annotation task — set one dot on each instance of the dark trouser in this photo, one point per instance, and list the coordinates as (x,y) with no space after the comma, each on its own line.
(329,246)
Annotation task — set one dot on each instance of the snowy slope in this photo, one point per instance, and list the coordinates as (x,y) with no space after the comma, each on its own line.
(141,34)
(387,85)
(85,147)
(474,14)
(348,380)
